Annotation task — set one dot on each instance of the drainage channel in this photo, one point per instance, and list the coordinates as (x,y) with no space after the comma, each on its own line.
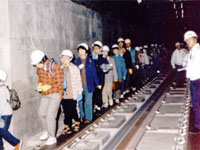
(107,131)
(166,125)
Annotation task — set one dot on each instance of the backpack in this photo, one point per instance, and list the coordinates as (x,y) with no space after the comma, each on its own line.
(14,99)
(51,64)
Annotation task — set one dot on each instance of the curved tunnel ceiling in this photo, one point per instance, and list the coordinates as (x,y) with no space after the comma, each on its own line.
(161,21)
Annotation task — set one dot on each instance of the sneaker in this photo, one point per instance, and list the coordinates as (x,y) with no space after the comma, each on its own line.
(111,102)
(19,146)
(117,101)
(44,136)
(51,140)
(105,105)
(122,96)
(87,121)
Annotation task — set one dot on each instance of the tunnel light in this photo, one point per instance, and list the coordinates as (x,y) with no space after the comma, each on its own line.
(174,5)
(182,13)
(139,1)
(181,5)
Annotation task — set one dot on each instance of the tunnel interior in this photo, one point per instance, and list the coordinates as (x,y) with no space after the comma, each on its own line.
(151,21)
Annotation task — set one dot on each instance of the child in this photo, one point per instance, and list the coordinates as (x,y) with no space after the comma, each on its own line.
(121,70)
(109,78)
(6,115)
(89,79)
(72,91)
(50,85)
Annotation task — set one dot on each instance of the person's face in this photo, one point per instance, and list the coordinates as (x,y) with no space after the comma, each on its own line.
(115,51)
(121,44)
(40,66)
(65,60)
(97,50)
(128,45)
(82,52)
(105,53)
(178,47)
(191,42)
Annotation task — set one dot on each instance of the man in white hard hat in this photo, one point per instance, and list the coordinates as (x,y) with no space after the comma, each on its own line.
(193,73)
(50,85)
(99,62)
(72,92)
(134,60)
(176,62)
(127,56)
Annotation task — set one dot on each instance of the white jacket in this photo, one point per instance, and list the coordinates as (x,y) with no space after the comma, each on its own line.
(5,108)
(177,57)
(193,63)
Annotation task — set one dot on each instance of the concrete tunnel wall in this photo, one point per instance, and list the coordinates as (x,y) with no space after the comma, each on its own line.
(49,25)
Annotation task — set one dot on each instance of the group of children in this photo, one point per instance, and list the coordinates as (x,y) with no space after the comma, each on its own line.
(85,85)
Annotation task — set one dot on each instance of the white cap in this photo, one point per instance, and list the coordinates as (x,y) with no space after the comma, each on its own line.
(83,45)
(36,56)
(3,75)
(67,52)
(120,40)
(145,46)
(127,41)
(115,46)
(189,34)
(177,44)
(97,43)
(137,48)
(105,48)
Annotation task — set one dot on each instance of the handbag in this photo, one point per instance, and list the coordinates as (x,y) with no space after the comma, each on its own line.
(116,85)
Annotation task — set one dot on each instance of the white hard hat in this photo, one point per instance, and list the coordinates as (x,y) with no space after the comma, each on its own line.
(177,44)
(105,48)
(127,41)
(97,43)
(120,40)
(189,34)
(115,46)
(67,52)
(36,56)
(137,48)
(145,46)
(83,45)
(3,75)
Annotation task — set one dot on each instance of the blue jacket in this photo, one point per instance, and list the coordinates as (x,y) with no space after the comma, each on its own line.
(91,74)
(121,66)
(134,56)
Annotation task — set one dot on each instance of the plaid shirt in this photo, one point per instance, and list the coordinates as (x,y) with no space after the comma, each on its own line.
(55,81)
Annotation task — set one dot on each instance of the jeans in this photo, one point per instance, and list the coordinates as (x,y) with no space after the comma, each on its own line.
(5,134)
(88,103)
(195,95)
(81,111)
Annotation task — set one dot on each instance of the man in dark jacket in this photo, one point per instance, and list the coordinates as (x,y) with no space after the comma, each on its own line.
(101,64)
(127,56)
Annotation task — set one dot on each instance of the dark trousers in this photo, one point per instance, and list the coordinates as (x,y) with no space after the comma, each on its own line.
(70,111)
(97,97)
(195,95)
(5,134)
(179,76)
(128,81)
